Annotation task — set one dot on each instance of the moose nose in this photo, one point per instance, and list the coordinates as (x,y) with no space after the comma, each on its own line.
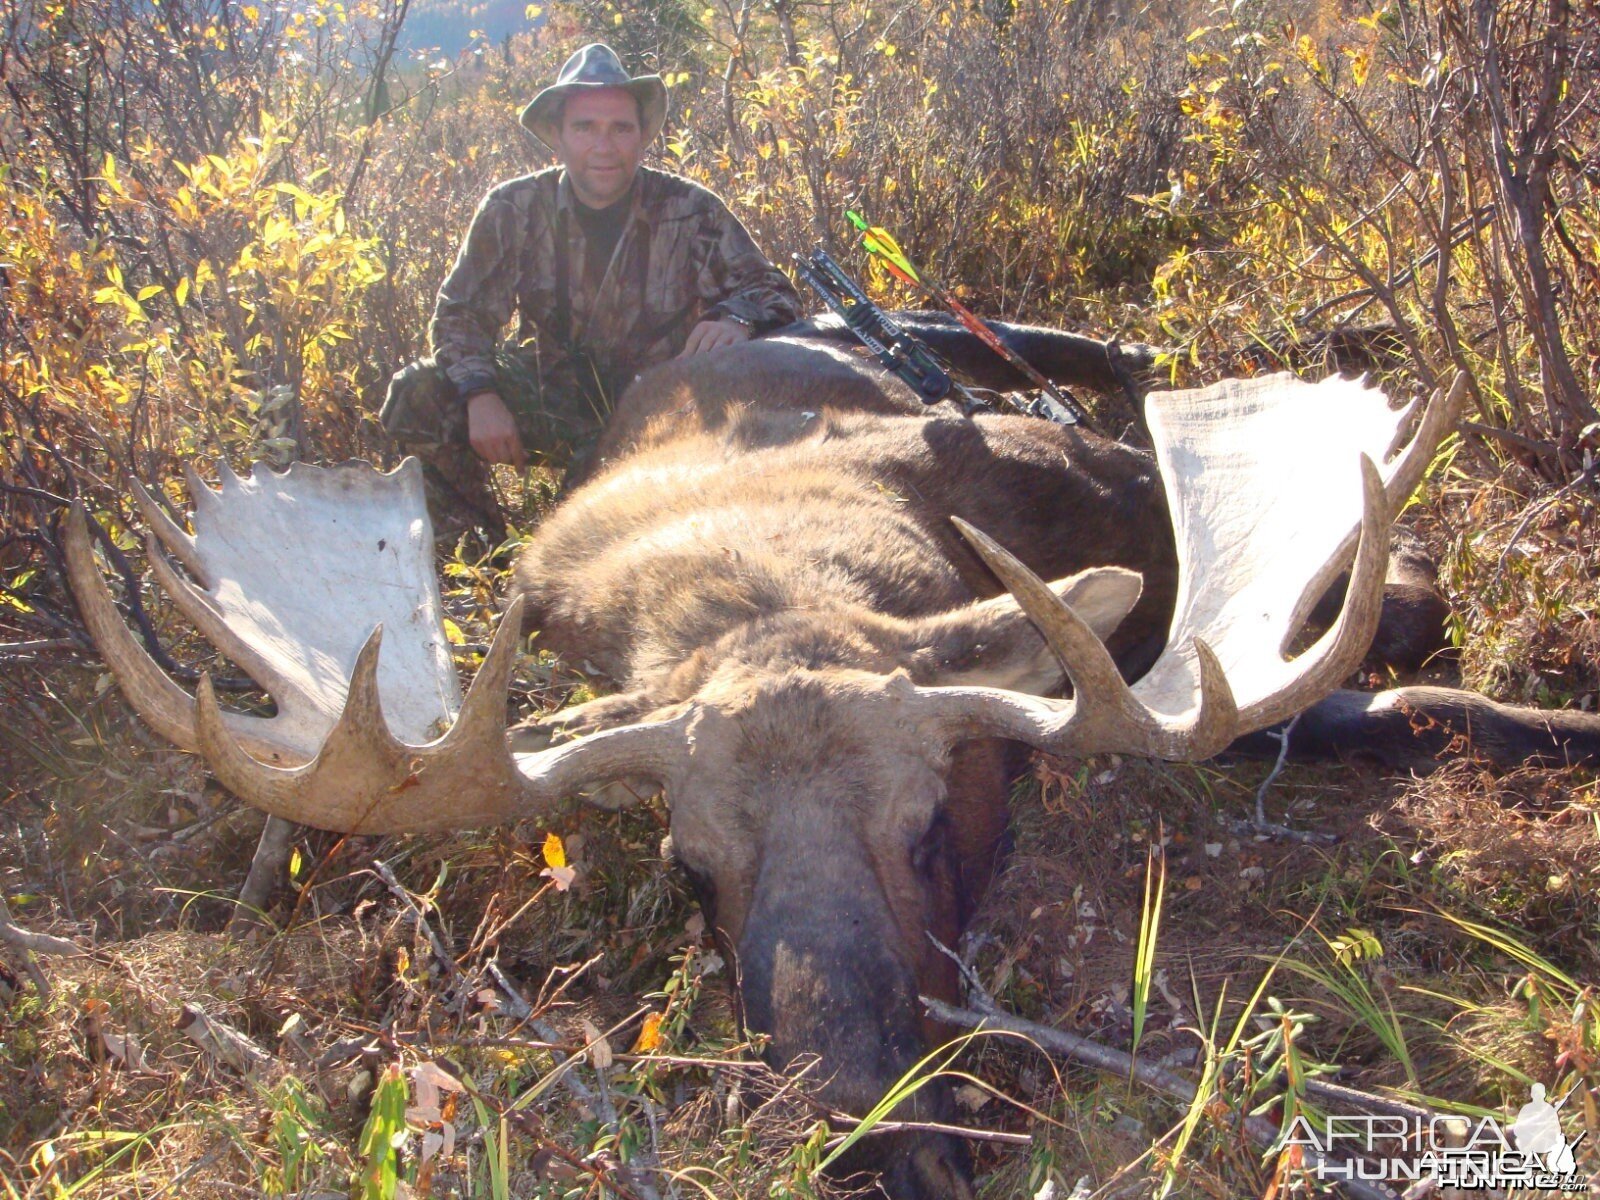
(911,1166)
(828,980)
(940,1169)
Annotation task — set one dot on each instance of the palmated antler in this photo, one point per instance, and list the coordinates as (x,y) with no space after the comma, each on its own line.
(1261,532)
(290,574)
(365,780)
(298,578)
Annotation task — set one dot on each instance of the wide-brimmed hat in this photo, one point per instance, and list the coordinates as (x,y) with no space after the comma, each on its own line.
(595,66)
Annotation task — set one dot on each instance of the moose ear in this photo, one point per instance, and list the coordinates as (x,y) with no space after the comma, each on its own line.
(993,644)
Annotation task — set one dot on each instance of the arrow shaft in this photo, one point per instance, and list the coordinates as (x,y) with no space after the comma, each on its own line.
(902,268)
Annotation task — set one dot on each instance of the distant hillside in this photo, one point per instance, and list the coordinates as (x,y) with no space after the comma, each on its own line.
(447,25)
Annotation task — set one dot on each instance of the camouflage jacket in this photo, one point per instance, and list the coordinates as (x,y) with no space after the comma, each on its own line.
(682,258)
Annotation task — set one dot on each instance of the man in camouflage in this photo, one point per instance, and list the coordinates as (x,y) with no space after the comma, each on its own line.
(609,267)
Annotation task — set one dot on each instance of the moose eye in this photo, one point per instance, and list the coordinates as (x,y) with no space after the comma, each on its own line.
(705,890)
(930,845)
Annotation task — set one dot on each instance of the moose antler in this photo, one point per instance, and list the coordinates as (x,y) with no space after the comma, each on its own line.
(289,606)
(353,744)
(1251,565)
(298,578)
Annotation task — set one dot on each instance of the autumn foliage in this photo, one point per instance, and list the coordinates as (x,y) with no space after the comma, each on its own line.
(222,226)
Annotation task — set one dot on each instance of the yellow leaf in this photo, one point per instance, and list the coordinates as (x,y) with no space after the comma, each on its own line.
(649,1038)
(555,854)
(532,11)
(181,292)
(452,633)
(295,863)
(1306,49)
(150,289)
(617,20)
(1360,64)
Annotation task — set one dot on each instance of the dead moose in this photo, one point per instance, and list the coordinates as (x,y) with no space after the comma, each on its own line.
(823,612)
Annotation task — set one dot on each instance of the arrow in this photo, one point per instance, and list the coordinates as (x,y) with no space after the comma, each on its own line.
(878,242)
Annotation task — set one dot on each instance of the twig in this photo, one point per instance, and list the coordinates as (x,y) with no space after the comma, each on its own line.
(222,1043)
(607,1176)
(12,650)
(1282,833)
(654,1154)
(38,943)
(267,866)
(597,1100)
(519,1009)
(960,1131)
(984,1003)
(30,943)
(1260,826)
(440,950)
(580,1090)
(132,599)
(1587,474)
(1283,735)
(346,1049)
(1080,1049)
(1464,229)
(199,1164)
(1545,449)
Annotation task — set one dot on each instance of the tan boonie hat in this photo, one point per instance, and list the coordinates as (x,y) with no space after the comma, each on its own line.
(595,66)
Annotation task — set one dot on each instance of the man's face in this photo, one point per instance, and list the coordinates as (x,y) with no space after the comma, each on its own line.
(601,144)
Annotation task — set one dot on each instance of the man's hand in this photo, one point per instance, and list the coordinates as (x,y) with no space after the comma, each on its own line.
(492,431)
(714,335)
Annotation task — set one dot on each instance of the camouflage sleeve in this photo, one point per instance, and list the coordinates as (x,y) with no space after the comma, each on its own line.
(739,280)
(478,297)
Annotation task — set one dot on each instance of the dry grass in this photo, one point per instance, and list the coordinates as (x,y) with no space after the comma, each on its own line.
(1178,174)
(125,846)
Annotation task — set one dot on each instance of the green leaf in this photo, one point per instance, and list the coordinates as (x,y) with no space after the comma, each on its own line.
(380,1169)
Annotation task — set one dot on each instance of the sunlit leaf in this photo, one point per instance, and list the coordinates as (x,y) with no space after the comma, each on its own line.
(649,1038)
(555,853)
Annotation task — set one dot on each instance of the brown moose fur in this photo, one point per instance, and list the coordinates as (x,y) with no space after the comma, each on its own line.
(772,539)
(769,537)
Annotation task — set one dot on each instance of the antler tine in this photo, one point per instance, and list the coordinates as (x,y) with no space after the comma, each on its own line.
(180,543)
(200,493)
(163,705)
(1340,649)
(1437,418)
(485,704)
(197,606)
(1104,713)
(1081,653)
(364,780)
